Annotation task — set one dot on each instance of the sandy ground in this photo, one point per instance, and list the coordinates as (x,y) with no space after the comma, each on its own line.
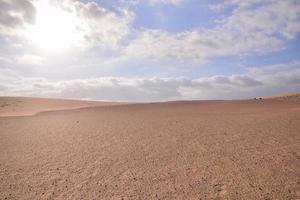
(289,97)
(246,149)
(24,106)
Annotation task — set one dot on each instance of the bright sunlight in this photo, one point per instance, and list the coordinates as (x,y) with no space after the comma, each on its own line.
(55,30)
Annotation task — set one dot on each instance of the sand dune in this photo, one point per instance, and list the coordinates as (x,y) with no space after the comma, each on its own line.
(246,149)
(23,106)
(289,96)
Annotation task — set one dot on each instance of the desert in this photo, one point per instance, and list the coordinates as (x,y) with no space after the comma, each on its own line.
(150,99)
(233,149)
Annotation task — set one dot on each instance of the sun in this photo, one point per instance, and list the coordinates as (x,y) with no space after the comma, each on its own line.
(54,30)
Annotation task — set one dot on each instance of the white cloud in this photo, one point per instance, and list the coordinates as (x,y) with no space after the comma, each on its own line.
(160,46)
(173,2)
(268,19)
(16,13)
(153,2)
(103,26)
(264,28)
(155,89)
(272,69)
(94,25)
(246,3)
(30,59)
(254,26)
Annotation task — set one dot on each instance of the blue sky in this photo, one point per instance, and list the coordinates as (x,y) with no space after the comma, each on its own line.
(149,50)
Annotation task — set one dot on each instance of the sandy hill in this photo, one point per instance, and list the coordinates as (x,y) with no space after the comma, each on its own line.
(20,106)
(289,96)
(246,149)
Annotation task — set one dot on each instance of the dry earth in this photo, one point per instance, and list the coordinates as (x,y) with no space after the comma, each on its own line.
(248,149)
(24,106)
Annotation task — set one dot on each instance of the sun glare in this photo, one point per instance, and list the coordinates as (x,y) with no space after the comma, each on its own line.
(54,29)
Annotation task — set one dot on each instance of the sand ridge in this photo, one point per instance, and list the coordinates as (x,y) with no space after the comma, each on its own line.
(246,149)
(25,106)
(288,96)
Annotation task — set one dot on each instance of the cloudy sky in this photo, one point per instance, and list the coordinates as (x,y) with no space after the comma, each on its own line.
(149,50)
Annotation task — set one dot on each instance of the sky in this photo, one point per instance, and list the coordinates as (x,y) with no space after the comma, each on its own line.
(149,50)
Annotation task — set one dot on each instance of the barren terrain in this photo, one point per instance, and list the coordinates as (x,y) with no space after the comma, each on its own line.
(24,106)
(246,149)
